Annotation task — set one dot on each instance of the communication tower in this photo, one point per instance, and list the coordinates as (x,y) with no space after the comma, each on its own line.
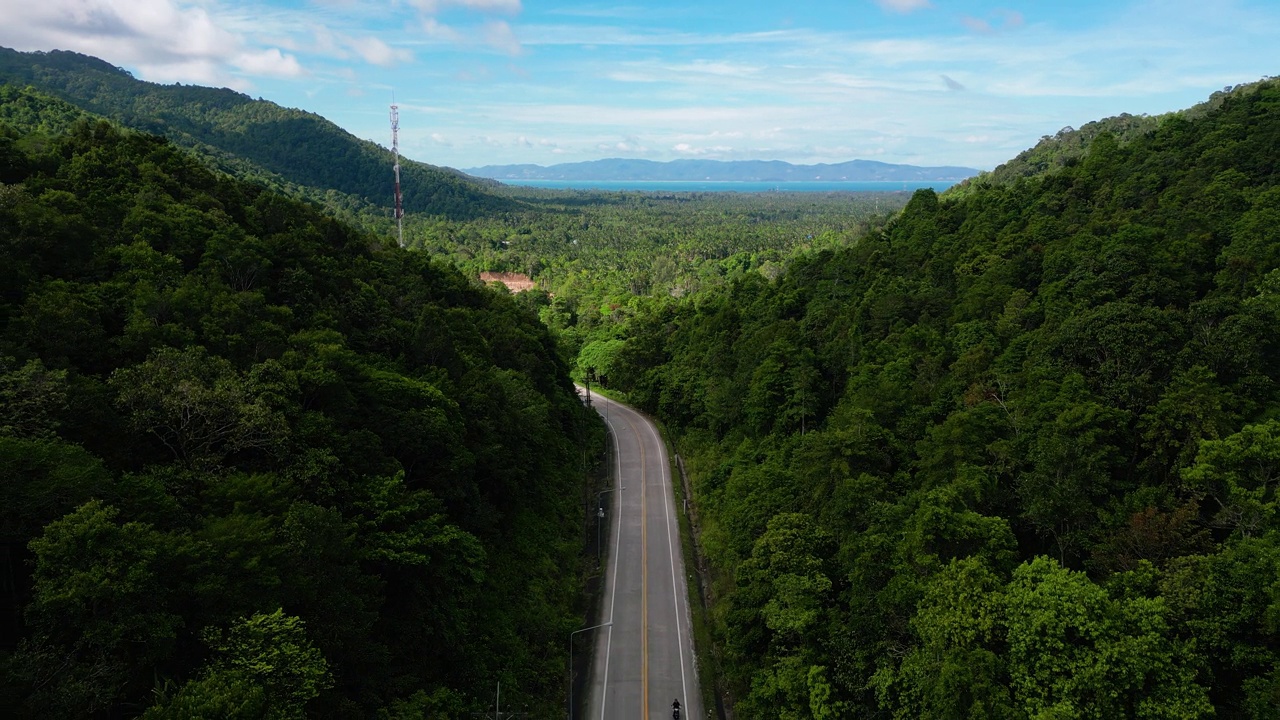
(395,153)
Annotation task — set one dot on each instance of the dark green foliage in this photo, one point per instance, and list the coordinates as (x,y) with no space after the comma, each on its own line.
(290,150)
(1069,145)
(258,464)
(1014,456)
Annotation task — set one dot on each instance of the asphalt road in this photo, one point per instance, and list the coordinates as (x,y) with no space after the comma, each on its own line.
(645,659)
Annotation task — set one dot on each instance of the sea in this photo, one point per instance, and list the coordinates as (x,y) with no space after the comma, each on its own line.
(818,186)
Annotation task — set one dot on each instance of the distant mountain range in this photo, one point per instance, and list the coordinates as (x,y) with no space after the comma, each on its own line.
(722,171)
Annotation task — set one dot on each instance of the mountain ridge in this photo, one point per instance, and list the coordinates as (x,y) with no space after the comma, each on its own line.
(291,150)
(721,170)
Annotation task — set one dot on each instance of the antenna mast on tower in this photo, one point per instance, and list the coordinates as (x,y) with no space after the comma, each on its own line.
(395,152)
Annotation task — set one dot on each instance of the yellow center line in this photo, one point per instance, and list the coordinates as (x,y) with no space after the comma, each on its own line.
(644,583)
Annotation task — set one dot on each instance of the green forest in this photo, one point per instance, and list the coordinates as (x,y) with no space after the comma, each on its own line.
(602,259)
(1013,455)
(294,152)
(259,464)
(1007,452)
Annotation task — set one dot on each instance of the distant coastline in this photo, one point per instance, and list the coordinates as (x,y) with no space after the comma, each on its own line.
(762,171)
(740,186)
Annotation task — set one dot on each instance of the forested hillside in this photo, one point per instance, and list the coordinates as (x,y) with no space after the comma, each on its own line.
(289,150)
(1069,145)
(254,463)
(1015,456)
(599,258)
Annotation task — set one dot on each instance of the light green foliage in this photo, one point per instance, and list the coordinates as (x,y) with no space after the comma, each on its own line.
(273,650)
(263,668)
(232,696)
(99,591)
(789,559)
(101,578)
(1075,652)
(408,528)
(1240,474)
(785,585)
(1220,602)
(596,358)
(958,670)
(602,259)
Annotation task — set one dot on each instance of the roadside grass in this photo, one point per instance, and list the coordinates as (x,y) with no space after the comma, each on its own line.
(704,646)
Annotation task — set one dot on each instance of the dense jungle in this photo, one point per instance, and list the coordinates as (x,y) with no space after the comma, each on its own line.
(1007,451)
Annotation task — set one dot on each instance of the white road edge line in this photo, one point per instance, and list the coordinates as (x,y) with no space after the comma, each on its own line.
(675,587)
(617,546)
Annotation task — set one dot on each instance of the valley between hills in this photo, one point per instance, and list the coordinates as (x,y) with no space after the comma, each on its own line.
(1006,451)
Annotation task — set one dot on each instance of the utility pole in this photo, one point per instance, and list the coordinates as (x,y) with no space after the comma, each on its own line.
(497,713)
(395,153)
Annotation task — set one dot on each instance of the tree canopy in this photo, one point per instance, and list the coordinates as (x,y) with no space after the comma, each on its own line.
(290,150)
(1012,456)
(259,464)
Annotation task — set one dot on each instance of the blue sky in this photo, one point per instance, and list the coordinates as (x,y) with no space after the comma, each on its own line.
(927,82)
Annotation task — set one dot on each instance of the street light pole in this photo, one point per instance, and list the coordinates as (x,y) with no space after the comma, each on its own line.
(575,632)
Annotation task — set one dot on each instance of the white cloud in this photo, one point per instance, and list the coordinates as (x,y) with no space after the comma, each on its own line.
(721,68)
(436,30)
(903,6)
(509,7)
(376,52)
(630,146)
(607,35)
(327,43)
(368,48)
(498,34)
(200,72)
(713,151)
(165,40)
(270,62)
(1008,20)
(633,76)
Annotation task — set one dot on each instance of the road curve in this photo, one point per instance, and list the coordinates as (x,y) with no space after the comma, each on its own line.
(645,659)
